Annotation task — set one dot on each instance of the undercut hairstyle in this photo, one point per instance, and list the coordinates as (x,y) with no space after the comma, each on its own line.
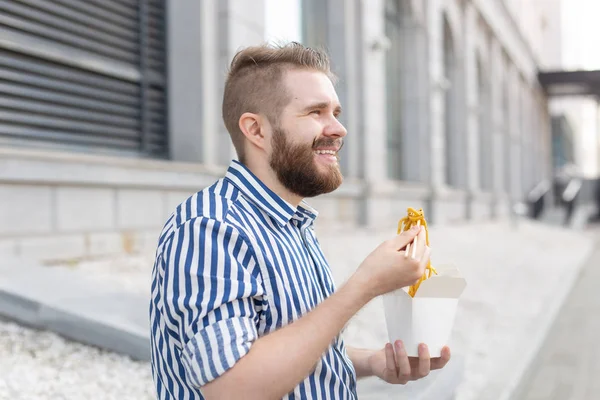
(255,84)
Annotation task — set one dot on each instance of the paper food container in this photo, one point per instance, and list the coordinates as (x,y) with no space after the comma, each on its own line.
(429,316)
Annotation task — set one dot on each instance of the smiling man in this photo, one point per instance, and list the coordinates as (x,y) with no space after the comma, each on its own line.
(243,302)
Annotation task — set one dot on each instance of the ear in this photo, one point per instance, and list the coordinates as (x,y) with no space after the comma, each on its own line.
(253,129)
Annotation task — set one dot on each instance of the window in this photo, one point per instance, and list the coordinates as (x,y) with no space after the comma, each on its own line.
(84,76)
(450,104)
(393,92)
(506,139)
(484,130)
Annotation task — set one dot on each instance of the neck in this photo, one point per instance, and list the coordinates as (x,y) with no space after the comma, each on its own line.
(265,173)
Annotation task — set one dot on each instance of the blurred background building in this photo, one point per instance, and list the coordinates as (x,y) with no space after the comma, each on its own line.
(110,111)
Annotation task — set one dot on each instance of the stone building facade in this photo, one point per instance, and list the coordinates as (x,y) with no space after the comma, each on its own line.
(441,101)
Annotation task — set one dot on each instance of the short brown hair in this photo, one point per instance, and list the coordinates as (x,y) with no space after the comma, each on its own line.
(254,83)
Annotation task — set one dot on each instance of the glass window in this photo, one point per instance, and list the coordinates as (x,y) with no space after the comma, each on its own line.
(450,111)
(393,77)
(506,139)
(484,132)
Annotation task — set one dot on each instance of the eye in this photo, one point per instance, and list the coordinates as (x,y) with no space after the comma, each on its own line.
(316,112)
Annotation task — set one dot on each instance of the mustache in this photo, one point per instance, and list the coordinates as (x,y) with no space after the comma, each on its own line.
(328,142)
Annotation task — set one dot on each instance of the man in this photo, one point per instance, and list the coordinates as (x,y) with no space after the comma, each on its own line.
(243,302)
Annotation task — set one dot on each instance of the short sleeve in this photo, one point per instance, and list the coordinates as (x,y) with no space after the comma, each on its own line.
(211,297)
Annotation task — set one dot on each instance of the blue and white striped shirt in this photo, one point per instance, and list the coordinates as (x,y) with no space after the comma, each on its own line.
(235,262)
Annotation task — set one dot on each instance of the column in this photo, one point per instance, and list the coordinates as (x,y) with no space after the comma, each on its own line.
(598,145)
(471,112)
(437,110)
(415,96)
(539,137)
(496,124)
(241,23)
(336,26)
(374,112)
(461,169)
(525,139)
(211,95)
(454,91)
(547,147)
(515,115)
(185,94)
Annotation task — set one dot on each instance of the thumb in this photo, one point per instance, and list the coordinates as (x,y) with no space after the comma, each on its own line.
(401,240)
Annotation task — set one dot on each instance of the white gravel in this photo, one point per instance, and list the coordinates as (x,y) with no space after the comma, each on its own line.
(41,365)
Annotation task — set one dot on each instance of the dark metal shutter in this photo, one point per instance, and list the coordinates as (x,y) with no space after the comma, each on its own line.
(84,74)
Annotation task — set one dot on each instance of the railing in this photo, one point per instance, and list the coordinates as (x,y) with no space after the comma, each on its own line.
(569,197)
(536,198)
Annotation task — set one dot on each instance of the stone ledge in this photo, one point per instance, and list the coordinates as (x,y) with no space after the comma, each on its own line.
(96,171)
(450,193)
(399,189)
(34,168)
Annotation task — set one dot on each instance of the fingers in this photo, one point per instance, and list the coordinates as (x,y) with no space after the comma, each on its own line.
(421,244)
(390,361)
(416,248)
(424,361)
(402,363)
(424,259)
(399,361)
(406,237)
(440,362)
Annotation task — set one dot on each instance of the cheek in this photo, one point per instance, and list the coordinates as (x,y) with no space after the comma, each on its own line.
(307,131)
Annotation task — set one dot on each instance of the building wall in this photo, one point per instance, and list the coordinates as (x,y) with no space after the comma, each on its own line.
(468,116)
(57,206)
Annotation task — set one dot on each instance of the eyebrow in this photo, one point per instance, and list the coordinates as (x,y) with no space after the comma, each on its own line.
(321,105)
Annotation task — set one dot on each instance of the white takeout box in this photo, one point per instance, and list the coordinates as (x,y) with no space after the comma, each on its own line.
(429,316)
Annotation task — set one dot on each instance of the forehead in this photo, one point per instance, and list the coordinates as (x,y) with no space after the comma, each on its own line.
(305,86)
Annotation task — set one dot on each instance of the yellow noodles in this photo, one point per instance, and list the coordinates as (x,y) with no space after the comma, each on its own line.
(415,217)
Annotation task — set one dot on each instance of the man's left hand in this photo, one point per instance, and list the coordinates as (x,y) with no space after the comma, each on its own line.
(393,365)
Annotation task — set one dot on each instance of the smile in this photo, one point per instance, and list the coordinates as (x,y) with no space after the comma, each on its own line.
(332,152)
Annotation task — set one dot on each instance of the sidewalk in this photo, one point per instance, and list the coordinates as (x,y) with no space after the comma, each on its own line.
(516,281)
(568,366)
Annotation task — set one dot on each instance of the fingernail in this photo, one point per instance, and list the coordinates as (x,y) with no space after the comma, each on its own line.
(415,228)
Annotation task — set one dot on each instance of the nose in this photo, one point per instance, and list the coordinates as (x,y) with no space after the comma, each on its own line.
(335,129)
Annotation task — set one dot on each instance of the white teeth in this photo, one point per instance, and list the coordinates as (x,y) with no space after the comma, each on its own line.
(332,152)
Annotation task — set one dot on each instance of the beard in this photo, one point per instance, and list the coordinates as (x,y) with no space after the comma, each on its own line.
(297,169)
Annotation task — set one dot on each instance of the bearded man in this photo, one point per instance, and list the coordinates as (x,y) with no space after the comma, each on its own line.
(243,301)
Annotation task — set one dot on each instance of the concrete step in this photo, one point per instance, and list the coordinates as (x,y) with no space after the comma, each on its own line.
(72,305)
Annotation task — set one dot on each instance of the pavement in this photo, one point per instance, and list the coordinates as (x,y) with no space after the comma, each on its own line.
(567,366)
(517,280)
(518,277)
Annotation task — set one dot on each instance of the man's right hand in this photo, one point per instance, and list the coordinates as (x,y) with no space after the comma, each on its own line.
(388,268)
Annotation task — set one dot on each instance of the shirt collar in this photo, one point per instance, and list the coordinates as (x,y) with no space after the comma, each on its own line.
(270,202)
